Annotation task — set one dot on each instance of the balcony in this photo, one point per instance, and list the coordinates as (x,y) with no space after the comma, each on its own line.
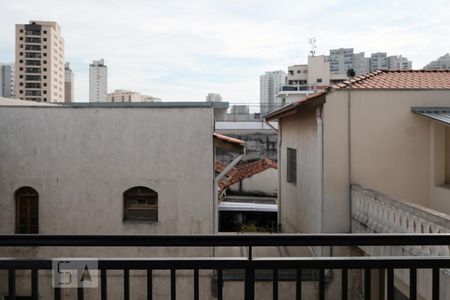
(375,212)
(191,270)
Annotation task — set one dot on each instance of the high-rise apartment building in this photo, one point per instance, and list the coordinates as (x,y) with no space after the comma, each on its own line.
(398,62)
(442,63)
(341,60)
(379,61)
(39,68)
(213,97)
(68,84)
(361,64)
(98,81)
(7,80)
(270,84)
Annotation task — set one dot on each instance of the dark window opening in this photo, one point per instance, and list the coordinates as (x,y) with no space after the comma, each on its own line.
(27,210)
(140,204)
(291,165)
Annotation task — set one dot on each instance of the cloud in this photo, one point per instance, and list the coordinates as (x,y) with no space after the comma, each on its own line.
(180,50)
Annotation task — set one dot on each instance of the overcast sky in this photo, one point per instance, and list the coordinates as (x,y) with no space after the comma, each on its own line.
(181,50)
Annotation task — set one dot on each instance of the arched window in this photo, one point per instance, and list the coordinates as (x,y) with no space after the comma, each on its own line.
(140,204)
(27,210)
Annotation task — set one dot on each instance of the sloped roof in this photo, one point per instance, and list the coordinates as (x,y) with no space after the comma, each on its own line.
(400,79)
(385,79)
(239,173)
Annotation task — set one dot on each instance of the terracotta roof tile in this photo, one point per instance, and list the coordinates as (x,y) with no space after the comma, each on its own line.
(404,79)
(239,173)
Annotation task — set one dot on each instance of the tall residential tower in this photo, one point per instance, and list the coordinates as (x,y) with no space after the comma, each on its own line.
(7,80)
(270,84)
(39,68)
(98,81)
(68,84)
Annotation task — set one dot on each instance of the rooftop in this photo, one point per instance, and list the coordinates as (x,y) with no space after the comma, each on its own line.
(239,173)
(400,79)
(17,102)
(378,80)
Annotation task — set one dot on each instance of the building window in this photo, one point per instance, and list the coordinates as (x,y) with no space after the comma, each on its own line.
(319,80)
(27,210)
(291,165)
(140,204)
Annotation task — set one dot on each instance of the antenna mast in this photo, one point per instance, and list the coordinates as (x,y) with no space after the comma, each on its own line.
(312,43)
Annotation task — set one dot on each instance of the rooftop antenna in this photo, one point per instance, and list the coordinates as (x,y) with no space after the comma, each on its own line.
(312,43)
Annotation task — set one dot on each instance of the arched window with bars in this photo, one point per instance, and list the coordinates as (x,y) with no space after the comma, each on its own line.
(27,210)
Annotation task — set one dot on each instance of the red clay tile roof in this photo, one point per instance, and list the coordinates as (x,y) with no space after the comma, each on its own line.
(404,79)
(239,173)
(393,80)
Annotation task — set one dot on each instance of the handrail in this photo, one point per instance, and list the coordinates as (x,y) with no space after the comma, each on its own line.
(225,240)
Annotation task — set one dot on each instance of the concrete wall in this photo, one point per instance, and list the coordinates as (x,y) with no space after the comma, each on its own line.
(298,204)
(81,160)
(265,183)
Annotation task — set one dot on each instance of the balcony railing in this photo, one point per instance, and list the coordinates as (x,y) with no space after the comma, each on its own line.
(249,263)
(375,212)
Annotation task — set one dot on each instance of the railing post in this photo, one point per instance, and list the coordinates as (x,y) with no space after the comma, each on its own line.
(249,283)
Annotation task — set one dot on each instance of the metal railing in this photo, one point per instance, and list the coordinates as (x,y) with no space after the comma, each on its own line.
(249,264)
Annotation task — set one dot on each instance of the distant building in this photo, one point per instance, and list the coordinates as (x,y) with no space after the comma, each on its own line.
(442,63)
(378,61)
(39,70)
(130,96)
(398,62)
(270,83)
(7,80)
(361,64)
(213,97)
(68,84)
(341,60)
(98,81)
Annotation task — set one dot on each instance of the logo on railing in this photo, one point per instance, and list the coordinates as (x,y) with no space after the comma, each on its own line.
(75,273)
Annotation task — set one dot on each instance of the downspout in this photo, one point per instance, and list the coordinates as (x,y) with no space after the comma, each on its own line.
(280,140)
(349,133)
(278,131)
(216,190)
(319,123)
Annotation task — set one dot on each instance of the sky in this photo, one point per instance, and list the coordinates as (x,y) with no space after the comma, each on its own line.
(182,50)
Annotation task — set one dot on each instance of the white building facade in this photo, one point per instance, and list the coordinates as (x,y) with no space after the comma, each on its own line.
(98,81)
(442,63)
(213,97)
(7,80)
(69,79)
(270,84)
(130,96)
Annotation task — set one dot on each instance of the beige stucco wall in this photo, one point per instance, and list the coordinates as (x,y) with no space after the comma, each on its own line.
(299,205)
(391,149)
(391,152)
(391,146)
(336,192)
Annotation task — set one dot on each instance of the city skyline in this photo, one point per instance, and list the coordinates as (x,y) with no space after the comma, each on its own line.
(182,53)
